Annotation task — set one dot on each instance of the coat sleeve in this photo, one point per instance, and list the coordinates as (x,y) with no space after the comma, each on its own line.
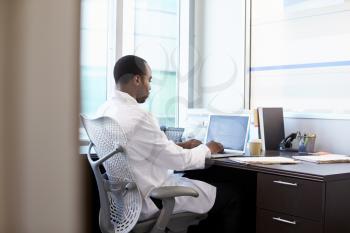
(151,144)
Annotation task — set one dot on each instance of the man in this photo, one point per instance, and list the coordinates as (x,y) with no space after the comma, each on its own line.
(151,154)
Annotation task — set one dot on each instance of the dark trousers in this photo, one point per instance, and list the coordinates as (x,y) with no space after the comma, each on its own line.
(225,216)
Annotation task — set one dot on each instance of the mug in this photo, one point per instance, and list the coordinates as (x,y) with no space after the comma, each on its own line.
(255,147)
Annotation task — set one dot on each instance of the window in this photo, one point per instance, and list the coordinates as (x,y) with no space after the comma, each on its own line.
(218,64)
(296,63)
(151,31)
(195,64)
(96,43)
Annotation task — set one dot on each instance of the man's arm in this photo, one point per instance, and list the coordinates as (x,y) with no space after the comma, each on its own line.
(192,143)
(152,144)
(214,147)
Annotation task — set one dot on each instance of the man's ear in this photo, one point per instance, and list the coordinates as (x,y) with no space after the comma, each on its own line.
(137,79)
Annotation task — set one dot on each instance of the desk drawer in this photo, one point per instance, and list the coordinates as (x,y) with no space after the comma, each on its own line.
(272,222)
(291,196)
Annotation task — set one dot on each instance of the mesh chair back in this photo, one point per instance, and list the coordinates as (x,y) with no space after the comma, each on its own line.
(120,198)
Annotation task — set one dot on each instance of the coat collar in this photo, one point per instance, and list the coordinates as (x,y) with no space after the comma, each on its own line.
(123,96)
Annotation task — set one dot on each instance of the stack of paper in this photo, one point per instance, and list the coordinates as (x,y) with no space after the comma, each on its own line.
(264,160)
(327,158)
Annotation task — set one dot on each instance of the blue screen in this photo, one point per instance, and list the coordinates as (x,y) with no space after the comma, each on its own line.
(228,130)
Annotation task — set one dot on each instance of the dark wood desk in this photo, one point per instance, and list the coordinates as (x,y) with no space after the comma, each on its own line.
(92,202)
(304,197)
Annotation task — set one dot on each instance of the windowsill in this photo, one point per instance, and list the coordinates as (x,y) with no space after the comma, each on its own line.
(325,116)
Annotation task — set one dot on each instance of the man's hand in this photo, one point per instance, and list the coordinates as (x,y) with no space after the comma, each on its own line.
(215,147)
(190,144)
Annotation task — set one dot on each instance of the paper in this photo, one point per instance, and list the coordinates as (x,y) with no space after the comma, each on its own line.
(265,160)
(328,158)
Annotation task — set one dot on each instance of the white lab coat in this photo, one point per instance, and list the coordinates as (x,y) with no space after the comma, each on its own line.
(153,156)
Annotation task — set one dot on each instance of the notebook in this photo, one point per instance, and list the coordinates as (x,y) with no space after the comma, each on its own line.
(268,160)
(328,158)
(231,131)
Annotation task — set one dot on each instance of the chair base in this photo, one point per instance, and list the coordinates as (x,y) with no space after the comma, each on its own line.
(178,223)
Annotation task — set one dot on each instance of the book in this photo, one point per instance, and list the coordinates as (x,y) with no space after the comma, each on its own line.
(271,127)
(265,160)
(327,158)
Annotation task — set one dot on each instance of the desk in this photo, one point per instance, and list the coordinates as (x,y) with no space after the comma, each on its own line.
(304,197)
(298,198)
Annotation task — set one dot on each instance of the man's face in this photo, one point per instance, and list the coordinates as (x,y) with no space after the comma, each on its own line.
(145,86)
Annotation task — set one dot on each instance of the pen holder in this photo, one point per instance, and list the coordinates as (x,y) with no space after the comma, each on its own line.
(306,143)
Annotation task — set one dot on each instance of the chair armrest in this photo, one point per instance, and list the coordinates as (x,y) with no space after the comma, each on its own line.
(167,194)
(173,191)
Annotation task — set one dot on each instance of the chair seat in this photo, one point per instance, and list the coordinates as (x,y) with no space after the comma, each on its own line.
(178,222)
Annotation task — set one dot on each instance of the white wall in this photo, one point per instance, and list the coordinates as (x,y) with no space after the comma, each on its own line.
(219,55)
(40,183)
(331,135)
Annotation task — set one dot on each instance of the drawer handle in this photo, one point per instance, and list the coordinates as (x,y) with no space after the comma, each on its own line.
(283,220)
(285,183)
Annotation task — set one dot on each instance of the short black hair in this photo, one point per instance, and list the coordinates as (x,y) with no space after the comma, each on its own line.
(128,66)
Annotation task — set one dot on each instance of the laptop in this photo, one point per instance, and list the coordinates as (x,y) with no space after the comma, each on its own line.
(231,131)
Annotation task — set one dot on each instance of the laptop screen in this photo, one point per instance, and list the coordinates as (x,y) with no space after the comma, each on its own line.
(229,130)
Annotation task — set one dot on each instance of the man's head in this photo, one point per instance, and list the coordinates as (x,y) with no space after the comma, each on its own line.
(133,75)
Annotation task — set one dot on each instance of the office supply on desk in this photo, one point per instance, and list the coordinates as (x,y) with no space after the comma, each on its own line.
(271,127)
(288,142)
(328,158)
(265,160)
(231,131)
(306,143)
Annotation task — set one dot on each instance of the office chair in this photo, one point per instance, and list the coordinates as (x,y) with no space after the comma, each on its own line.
(120,198)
